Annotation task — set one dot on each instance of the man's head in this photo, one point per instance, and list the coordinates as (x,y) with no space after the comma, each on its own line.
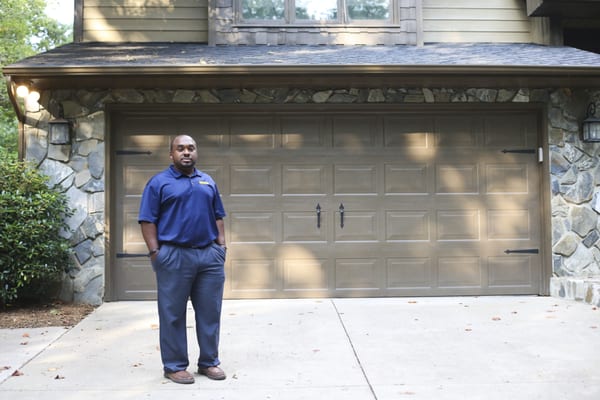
(184,154)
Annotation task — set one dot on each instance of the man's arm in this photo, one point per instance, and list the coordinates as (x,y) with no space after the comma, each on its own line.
(150,234)
(221,229)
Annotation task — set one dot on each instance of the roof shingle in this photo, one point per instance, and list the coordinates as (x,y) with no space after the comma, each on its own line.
(194,54)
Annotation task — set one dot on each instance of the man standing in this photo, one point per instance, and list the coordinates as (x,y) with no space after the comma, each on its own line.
(181,217)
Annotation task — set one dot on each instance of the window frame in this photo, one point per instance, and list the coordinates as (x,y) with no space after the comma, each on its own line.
(289,19)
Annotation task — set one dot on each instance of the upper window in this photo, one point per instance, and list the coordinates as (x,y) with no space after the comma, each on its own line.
(316,11)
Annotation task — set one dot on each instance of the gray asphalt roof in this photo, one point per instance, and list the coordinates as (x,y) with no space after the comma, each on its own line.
(194,54)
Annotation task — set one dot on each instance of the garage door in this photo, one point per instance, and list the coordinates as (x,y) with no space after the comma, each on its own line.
(330,203)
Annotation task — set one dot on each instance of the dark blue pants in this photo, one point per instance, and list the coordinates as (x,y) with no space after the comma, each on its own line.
(197,274)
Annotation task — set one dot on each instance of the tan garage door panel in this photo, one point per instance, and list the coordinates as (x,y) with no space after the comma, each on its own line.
(349,204)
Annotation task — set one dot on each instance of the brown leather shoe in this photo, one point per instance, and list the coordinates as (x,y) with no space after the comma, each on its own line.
(215,373)
(180,377)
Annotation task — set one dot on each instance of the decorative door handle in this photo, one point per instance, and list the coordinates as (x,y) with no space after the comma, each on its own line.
(341,215)
(522,251)
(318,215)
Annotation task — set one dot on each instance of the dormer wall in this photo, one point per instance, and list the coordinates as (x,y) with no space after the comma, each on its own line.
(305,22)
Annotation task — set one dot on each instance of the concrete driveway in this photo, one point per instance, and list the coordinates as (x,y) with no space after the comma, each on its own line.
(385,348)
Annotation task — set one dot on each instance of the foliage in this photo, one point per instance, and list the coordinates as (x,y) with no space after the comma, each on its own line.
(33,254)
(24,31)
(8,126)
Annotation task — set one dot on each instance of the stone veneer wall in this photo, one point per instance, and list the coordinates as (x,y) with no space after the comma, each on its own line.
(575,183)
(79,167)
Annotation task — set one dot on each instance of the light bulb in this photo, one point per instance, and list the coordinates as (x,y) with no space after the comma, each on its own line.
(22,91)
(33,96)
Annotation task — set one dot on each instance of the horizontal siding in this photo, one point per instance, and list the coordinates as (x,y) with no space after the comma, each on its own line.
(473,14)
(140,4)
(142,25)
(475,4)
(144,21)
(477,37)
(149,36)
(464,25)
(502,21)
(151,13)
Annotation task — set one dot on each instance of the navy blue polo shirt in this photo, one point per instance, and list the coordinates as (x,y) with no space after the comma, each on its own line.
(184,208)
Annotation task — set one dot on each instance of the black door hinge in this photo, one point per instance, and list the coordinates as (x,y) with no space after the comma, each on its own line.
(523,151)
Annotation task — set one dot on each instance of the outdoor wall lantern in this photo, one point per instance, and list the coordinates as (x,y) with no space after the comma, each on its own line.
(59,129)
(591,125)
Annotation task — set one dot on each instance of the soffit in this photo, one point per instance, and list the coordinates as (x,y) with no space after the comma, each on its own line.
(564,8)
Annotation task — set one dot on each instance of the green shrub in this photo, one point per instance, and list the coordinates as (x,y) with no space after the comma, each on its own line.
(33,254)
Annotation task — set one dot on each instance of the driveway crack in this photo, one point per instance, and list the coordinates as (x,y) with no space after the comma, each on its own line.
(362,369)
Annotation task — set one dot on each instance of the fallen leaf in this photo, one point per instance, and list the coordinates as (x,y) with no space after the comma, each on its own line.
(25,335)
(59,377)
(24,343)
(154,327)
(4,368)
(594,327)
(496,319)
(468,329)
(17,373)
(137,365)
(412,302)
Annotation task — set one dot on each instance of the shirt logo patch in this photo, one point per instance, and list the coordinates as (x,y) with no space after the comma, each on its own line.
(203,183)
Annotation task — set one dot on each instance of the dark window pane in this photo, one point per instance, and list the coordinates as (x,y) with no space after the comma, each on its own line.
(263,9)
(368,9)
